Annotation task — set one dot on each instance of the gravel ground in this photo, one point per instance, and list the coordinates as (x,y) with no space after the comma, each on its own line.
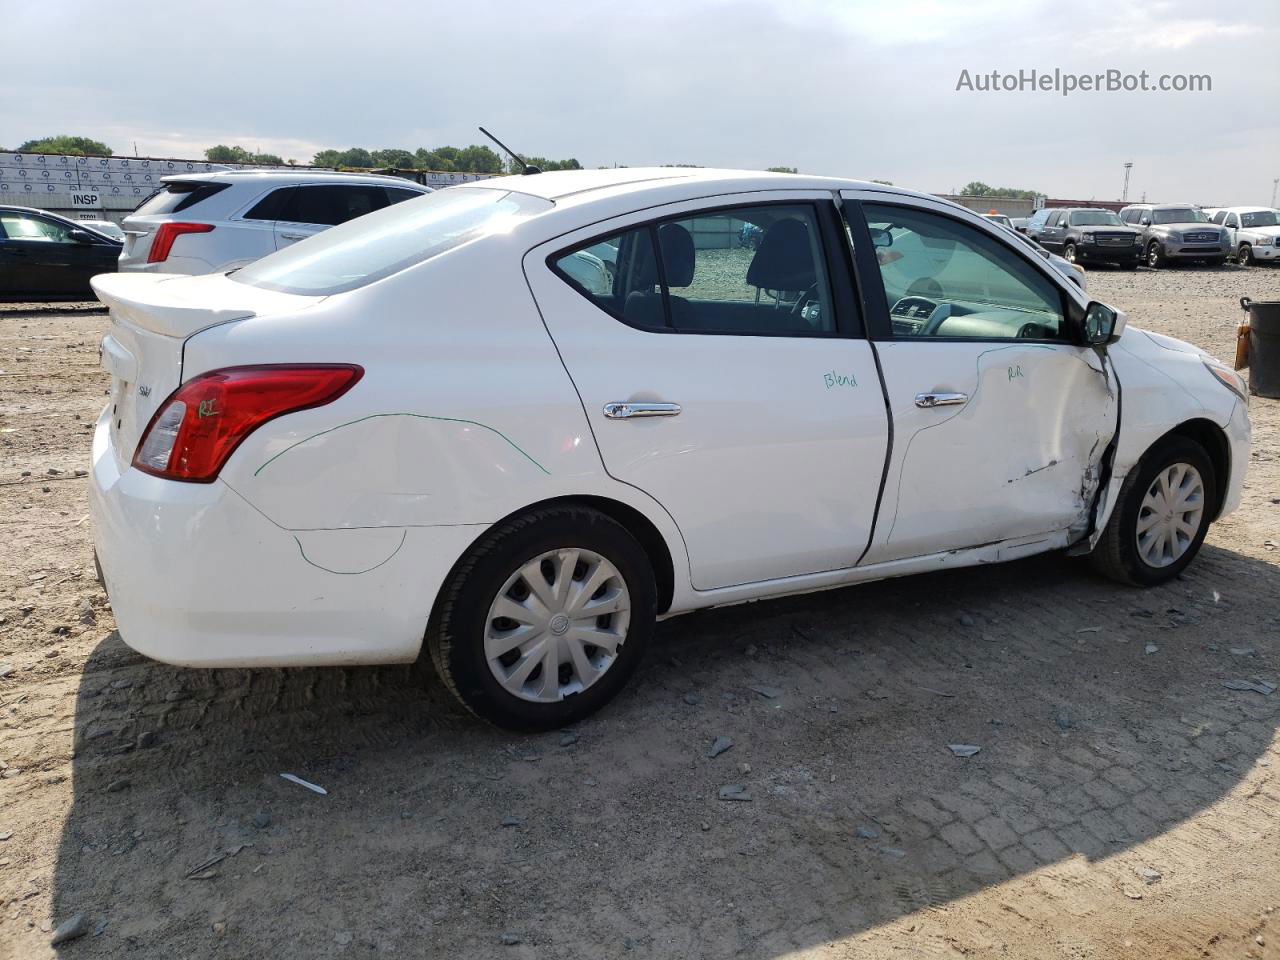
(1124,803)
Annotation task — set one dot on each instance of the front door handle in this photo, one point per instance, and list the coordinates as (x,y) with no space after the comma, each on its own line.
(293,236)
(629,411)
(928,400)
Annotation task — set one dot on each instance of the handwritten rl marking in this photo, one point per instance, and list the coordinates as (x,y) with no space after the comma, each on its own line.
(1016,371)
(834,379)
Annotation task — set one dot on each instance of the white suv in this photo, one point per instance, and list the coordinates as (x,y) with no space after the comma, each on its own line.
(215,222)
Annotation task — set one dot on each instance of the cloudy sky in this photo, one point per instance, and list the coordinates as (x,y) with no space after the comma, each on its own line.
(861,89)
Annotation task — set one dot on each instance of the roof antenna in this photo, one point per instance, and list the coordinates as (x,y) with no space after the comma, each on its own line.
(528,167)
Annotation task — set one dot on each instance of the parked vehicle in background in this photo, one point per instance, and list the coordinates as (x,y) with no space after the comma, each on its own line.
(215,222)
(106,227)
(1019,224)
(999,218)
(1072,271)
(1254,232)
(1173,232)
(47,257)
(1091,235)
(419,432)
(1036,221)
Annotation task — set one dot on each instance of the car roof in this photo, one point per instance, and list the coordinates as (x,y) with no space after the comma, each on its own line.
(671,184)
(290,176)
(1254,209)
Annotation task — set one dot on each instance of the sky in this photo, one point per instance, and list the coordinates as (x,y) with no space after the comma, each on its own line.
(852,89)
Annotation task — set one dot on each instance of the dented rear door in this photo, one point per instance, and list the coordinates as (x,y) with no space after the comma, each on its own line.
(1000,425)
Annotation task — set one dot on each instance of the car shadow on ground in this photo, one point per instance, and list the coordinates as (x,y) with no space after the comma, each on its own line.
(1100,711)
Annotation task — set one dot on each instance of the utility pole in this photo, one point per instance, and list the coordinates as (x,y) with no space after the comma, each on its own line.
(1274,181)
(1124,195)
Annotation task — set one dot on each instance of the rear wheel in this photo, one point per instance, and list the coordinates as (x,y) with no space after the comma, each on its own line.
(545,620)
(1161,515)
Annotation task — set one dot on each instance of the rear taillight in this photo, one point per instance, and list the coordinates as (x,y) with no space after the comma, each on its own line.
(166,233)
(202,422)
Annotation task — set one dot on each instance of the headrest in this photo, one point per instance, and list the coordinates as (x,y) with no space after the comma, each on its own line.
(677,254)
(784,260)
(677,259)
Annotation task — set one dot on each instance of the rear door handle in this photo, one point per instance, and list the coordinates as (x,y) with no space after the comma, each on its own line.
(629,411)
(928,400)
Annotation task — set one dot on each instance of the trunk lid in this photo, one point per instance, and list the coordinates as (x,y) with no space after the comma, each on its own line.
(152,316)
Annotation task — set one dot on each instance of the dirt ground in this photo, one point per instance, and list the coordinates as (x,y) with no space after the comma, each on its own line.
(1124,803)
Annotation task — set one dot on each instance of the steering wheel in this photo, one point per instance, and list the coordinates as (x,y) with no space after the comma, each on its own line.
(941,312)
(803,299)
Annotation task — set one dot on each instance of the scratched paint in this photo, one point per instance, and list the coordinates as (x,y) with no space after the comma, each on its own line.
(346,573)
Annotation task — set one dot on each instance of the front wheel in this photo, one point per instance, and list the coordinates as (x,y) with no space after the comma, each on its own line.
(1244,256)
(1154,257)
(545,620)
(1069,253)
(1161,515)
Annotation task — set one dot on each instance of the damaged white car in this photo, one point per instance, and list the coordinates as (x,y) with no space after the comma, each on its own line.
(425,430)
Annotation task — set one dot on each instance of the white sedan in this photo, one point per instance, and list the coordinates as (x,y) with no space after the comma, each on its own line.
(423,429)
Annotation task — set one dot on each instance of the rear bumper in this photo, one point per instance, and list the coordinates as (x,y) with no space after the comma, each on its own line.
(188,266)
(198,577)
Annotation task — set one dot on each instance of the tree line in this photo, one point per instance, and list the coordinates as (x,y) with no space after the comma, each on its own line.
(476,158)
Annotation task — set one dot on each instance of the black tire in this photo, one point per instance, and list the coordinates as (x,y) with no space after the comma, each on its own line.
(1155,256)
(1244,256)
(455,636)
(1069,252)
(1116,554)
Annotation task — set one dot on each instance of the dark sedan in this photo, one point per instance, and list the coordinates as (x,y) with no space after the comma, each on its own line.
(47,257)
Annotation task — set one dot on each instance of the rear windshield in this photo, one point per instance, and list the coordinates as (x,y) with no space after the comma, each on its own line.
(387,241)
(176,197)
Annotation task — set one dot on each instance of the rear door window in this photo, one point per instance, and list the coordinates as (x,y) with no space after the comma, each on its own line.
(398,195)
(331,204)
(272,205)
(753,271)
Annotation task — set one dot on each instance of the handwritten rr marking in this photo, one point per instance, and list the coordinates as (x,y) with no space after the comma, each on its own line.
(1016,371)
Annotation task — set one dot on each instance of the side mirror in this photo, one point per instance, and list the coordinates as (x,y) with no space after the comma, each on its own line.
(79,236)
(1101,324)
(1145,221)
(881,237)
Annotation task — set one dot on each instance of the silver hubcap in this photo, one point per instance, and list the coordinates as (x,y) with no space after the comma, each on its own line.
(557,625)
(1170,516)
(1071,254)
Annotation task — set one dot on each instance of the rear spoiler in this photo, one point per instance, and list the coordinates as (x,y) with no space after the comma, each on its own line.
(153,302)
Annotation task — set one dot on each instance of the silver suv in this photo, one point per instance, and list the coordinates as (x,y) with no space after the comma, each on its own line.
(1177,231)
(216,222)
